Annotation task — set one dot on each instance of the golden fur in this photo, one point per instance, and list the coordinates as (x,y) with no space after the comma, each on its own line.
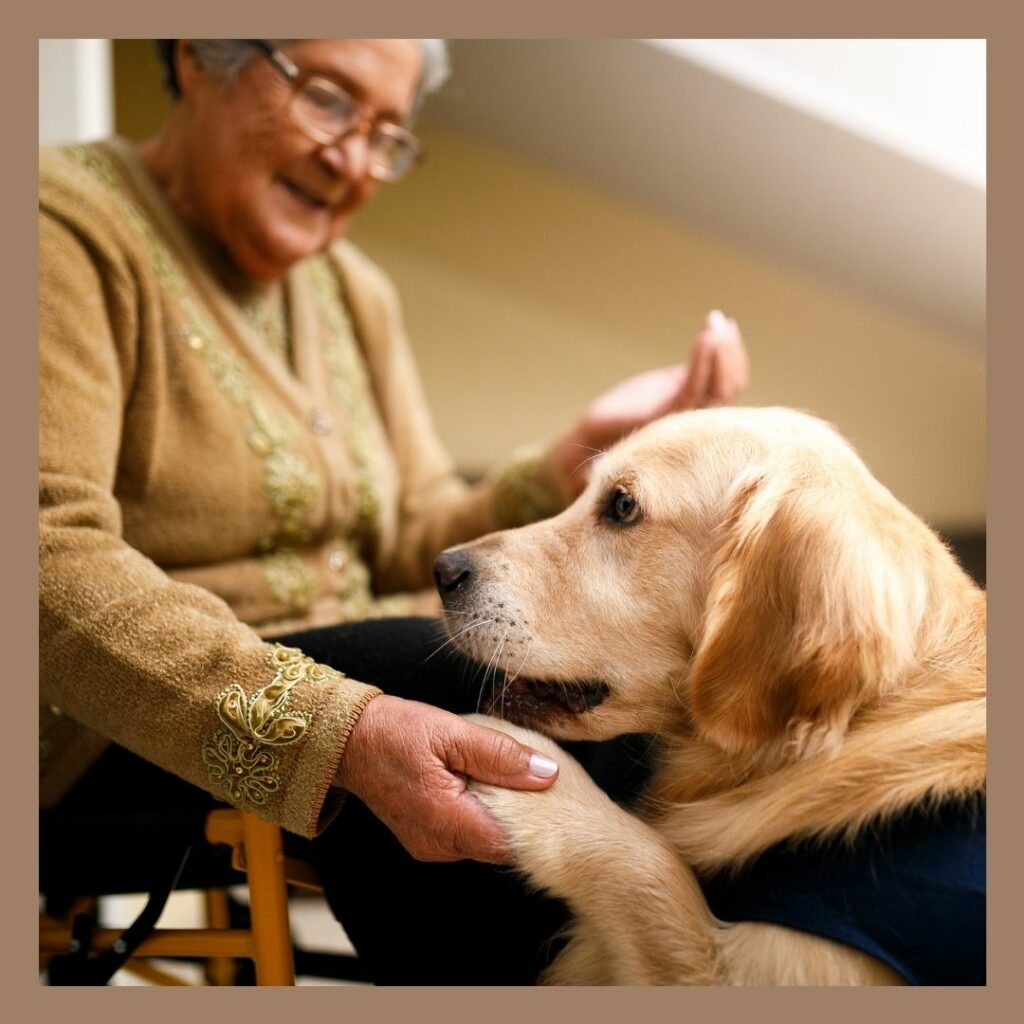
(810,654)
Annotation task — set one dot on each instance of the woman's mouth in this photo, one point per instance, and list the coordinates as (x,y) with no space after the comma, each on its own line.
(308,199)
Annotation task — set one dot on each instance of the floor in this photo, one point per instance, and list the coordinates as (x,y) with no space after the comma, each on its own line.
(312,924)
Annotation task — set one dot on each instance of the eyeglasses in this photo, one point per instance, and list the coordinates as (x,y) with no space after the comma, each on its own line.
(327,113)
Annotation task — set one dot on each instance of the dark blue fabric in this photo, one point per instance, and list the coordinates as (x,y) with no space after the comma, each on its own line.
(910,892)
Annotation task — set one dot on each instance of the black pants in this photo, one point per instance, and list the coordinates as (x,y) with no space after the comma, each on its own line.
(412,923)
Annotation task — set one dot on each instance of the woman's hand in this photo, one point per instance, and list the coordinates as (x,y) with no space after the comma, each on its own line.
(408,762)
(717,373)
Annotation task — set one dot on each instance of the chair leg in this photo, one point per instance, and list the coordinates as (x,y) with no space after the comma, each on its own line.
(220,970)
(154,975)
(268,902)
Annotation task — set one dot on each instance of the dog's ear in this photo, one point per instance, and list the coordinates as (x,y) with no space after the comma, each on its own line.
(805,620)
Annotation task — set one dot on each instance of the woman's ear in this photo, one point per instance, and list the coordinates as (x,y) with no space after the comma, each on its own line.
(187,68)
(790,644)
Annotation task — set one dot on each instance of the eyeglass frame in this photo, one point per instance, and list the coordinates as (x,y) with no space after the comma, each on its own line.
(361,122)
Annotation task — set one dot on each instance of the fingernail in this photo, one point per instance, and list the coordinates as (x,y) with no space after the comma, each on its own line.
(716,318)
(542,767)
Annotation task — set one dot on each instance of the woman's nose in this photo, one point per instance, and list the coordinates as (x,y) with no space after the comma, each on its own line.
(349,157)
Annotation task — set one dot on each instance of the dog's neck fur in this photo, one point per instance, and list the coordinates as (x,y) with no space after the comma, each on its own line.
(923,741)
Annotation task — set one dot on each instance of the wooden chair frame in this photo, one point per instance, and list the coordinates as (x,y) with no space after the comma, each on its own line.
(258,850)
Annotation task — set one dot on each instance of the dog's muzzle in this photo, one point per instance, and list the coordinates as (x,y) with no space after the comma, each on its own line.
(510,696)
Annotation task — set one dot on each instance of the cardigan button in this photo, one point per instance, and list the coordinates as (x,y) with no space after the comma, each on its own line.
(337,560)
(321,422)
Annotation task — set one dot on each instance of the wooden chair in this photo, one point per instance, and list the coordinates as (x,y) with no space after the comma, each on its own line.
(258,851)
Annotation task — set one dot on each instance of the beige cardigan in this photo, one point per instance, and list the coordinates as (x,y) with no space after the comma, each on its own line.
(197,496)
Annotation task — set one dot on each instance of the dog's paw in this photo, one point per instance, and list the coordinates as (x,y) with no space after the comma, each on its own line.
(545,826)
(572,781)
(537,826)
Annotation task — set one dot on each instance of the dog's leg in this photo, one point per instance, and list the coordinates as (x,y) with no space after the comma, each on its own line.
(586,960)
(640,916)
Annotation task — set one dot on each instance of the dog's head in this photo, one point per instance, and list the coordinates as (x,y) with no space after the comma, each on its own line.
(737,571)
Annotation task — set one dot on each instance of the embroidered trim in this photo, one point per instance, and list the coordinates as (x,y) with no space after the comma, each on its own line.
(350,389)
(290,484)
(242,758)
(269,318)
(290,580)
(358,601)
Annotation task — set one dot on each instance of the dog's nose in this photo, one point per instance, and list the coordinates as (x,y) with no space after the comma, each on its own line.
(452,571)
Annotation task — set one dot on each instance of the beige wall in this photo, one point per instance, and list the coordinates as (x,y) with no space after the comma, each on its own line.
(140,102)
(526,293)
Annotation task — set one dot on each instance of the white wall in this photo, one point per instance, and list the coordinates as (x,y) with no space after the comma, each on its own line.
(861,161)
(76,95)
(921,97)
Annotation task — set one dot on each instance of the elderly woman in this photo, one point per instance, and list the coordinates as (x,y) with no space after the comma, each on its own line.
(237,467)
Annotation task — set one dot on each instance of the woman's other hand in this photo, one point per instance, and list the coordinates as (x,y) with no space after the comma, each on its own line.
(717,373)
(408,762)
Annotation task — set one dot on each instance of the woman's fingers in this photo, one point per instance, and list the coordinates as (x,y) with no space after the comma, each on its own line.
(732,365)
(408,762)
(701,367)
(728,370)
(488,755)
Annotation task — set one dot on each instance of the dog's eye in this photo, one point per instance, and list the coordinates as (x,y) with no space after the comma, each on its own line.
(623,507)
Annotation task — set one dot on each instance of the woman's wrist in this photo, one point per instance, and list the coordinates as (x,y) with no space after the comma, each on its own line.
(354,759)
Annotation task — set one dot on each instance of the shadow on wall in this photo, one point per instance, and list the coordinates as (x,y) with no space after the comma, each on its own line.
(969,548)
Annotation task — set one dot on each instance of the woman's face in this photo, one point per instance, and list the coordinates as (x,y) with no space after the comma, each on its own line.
(263,189)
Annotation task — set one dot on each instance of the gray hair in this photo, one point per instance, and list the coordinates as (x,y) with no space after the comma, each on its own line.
(229,56)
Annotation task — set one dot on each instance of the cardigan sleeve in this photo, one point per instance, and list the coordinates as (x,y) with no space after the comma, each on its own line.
(437,508)
(163,668)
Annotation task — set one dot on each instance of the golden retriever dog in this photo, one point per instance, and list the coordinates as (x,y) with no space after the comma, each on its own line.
(808,653)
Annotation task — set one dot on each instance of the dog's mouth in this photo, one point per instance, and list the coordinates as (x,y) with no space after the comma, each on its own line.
(537,698)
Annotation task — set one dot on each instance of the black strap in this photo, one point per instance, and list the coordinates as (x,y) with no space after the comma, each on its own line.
(76,967)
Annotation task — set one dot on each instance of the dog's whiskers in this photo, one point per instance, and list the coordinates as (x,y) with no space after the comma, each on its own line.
(487,669)
(452,639)
(470,665)
(521,663)
(501,648)
(587,461)
(565,691)
(492,662)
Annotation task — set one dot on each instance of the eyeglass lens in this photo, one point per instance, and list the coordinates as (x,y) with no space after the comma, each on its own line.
(329,113)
